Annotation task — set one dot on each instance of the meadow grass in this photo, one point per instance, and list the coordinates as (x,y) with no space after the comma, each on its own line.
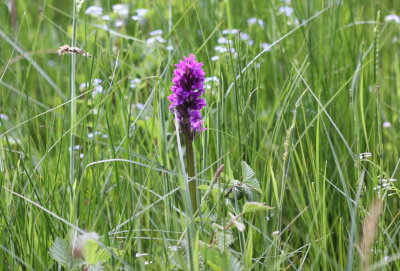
(310,100)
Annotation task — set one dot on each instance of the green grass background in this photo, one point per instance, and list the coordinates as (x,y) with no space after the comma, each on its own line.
(325,88)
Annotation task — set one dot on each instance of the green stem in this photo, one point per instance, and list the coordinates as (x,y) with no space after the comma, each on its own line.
(191,172)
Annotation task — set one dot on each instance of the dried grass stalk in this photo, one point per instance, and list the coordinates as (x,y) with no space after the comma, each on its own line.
(369,229)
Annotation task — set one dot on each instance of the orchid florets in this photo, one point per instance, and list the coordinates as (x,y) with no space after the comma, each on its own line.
(185,101)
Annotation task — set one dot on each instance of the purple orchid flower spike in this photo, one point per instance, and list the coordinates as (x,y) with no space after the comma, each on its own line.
(186,105)
(185,101)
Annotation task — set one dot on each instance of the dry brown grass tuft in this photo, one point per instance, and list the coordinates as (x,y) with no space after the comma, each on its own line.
(369,229)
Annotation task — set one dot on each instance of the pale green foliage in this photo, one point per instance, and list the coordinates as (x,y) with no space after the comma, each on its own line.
(84,251)
(224,239)
(248,187)
(238,224)
(250,207)
(93,254)
(61,252)
(235,264)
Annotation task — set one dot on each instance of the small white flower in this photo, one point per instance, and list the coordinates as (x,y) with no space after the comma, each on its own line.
(225,31)
(139,106)
(266,46)
(141,12)
(134,82)
(119,23)
(160,39)
(174,248)
(4,117)
(275,233)
(387,124)
(392,17)
(138,255)
(106,17)
(223,40)
(169,48)
(97,90)
(230,31)
(97,81)
(220,49)
(156,32)
(76,147)
(151,40)
(214,58)
(121,9)
(251,21)
(79,4)
(209,79)
(91,135)
(94,11)
(244,36)
(288,11)
(364,155)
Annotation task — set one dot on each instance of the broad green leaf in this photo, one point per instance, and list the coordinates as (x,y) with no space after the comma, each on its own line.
(233,182)
(61,252)
(217,227)
(214,266)
(97,267)
(224,239)
(90,251)
(251,195)
(249,207)
(247,172)
(253,184)
(235,264)
(94,254)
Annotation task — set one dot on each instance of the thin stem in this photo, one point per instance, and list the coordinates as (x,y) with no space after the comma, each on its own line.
(233,221)
(72,114)
(191,171)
